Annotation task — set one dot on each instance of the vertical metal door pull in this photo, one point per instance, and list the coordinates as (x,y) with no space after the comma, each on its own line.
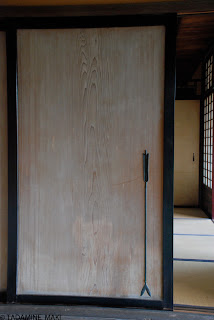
(146,179)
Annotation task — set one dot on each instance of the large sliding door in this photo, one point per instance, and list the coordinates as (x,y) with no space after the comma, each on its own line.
(90,101)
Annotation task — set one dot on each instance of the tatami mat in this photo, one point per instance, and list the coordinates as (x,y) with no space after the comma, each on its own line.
(194,226)
(187,213)
(194,283)
(194,247)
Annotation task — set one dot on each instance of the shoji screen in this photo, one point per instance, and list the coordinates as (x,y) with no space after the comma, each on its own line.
(3,163)
(90,102)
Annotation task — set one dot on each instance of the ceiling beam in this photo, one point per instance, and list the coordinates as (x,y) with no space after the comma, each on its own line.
(181,7)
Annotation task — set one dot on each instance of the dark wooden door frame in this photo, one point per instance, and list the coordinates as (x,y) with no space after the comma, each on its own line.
(10,26)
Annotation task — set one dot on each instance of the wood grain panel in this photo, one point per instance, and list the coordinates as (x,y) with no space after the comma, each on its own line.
(187,135)
(3,163)
(90,102)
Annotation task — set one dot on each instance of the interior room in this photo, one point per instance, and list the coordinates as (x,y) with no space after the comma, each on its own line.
(193,226)
(106,159)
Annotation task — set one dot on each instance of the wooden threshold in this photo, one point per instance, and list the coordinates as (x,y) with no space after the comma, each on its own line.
(38,312)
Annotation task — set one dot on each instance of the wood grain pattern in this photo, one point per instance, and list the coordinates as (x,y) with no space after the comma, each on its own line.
(3,163)
(194,38)
(187,135)
(90,102)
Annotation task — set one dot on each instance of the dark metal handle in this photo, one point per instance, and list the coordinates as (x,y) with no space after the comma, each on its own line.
(193,157)
(146,179)
(145,166)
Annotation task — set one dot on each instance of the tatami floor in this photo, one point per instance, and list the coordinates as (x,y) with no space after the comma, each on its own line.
(193,258)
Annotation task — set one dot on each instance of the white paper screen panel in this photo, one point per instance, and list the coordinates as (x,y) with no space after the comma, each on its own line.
(90,102)
(3,163)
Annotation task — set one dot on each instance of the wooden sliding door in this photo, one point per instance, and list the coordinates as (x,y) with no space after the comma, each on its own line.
(3,164)
(187,139)
(90,101)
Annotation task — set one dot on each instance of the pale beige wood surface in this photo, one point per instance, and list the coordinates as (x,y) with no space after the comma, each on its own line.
(90,102)
(3,163)
(187,134)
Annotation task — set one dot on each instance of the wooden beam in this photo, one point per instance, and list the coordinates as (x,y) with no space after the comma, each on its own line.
(181,7)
